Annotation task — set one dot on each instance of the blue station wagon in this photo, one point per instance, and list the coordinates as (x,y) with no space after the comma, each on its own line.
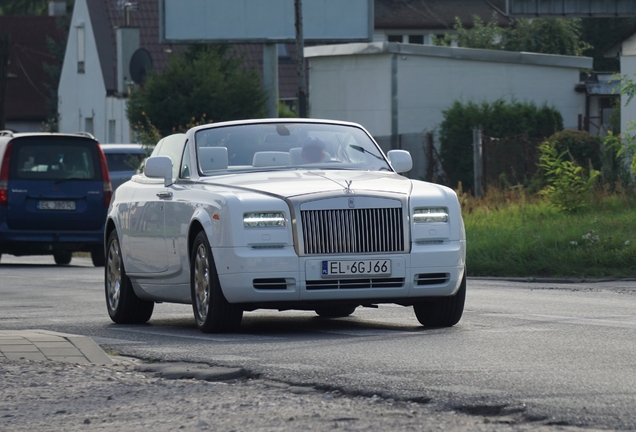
(54,193)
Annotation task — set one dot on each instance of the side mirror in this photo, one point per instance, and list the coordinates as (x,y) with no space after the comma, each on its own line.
(400,160)
(159,167)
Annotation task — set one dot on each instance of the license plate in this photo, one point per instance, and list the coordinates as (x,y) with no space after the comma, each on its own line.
(357,268)
(56,205)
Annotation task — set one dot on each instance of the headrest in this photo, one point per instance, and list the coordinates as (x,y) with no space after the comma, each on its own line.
(270,159)
(212,158)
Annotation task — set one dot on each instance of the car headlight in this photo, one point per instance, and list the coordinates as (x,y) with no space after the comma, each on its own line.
(430,214)
(264,220)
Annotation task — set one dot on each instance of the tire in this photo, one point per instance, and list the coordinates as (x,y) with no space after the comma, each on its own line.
(339,311)
(124,307)
(212,312)
(98,257)
(442,312)
(62,257)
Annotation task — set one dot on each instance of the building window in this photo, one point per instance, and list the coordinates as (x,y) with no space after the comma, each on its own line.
(88,125)
(111,131)
(80,50)
(395,38)
(416,39)
(283,52)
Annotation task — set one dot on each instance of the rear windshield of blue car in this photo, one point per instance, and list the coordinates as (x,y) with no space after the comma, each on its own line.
(54,158)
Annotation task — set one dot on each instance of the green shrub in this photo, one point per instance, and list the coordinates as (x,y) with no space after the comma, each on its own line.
(614,168)
(569,185)
(497,119)
(584,148)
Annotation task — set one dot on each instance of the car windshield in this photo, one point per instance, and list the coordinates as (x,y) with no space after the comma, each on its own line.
(286,145)
(123,161)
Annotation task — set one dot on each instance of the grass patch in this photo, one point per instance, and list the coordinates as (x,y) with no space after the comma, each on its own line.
(510,233)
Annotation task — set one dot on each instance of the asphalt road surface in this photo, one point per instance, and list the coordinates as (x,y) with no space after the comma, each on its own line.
(558,353)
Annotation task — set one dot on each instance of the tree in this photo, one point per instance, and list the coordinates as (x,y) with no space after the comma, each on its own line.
(601,33)
(540,35)
(205,83)
(23,7)
(29,7)
(54,71)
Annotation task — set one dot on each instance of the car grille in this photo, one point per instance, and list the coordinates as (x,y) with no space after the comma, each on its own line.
(355,283)
(352,231)
(270,284)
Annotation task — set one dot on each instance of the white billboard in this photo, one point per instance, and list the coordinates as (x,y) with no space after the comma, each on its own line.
(264,21)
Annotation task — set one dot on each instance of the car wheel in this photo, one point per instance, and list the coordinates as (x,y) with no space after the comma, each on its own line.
(442,312)
(62,257)
(98,257)
(124,307)
(339,311)
(212,312)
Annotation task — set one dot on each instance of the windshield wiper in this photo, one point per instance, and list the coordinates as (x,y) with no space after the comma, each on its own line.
(363,150)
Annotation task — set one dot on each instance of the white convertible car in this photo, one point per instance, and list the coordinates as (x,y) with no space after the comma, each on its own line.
(282,214)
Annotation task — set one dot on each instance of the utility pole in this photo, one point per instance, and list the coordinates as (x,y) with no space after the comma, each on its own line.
(300,45)
(4,72)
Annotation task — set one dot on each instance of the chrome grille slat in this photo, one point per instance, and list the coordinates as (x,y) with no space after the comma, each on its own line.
(336,284)
(350,231)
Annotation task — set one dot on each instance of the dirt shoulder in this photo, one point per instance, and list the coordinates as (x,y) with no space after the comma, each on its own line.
(59,396)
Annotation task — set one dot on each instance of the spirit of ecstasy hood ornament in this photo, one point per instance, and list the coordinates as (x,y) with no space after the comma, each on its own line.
(348,190)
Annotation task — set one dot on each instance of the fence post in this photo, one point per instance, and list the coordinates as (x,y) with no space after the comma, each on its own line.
(478,161)
(430,162)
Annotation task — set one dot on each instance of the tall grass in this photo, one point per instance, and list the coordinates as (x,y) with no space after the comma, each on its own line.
(512,233)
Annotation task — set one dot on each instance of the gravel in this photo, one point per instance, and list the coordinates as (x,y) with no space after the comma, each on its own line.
(60,396)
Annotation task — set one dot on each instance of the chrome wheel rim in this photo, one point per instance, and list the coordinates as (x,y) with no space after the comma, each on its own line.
(201,283)
(113,275)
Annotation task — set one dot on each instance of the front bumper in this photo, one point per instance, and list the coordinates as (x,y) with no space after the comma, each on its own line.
(268,276)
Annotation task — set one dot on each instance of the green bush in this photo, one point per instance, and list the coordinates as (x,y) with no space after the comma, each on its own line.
(497,119)
(569,185)
(584,148)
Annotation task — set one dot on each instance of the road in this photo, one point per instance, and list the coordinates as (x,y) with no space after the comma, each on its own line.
(558,353)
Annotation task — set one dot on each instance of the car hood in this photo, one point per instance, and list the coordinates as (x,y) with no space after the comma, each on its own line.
(287,184)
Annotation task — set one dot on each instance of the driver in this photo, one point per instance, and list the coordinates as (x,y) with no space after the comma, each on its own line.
(314,150)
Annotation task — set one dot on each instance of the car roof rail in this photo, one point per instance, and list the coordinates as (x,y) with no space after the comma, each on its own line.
(6,132)
(86,134)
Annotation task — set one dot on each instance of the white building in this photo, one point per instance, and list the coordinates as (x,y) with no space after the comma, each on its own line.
(625,50)
(394,88)
(96,74)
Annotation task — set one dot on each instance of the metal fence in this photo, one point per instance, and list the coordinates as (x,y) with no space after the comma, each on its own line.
(505,161)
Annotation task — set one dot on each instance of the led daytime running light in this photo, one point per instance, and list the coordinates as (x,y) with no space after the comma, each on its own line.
(264,220)
(431,214)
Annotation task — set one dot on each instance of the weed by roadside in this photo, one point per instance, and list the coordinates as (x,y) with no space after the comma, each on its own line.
(511,233)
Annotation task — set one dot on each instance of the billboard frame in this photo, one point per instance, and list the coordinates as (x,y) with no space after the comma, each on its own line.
(265,39)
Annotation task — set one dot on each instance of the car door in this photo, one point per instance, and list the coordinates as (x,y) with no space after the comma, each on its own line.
(143,239)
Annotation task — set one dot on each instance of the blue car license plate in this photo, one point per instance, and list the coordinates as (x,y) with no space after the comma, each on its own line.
(56,205)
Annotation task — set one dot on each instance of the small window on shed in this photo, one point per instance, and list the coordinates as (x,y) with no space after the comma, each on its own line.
(81,49)
(416,39)
(395,38)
